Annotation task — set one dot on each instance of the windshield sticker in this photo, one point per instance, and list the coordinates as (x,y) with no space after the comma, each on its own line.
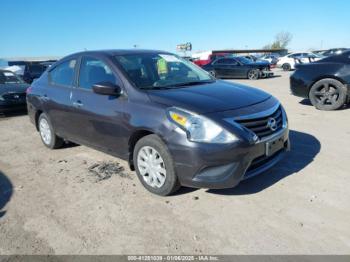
(170,58)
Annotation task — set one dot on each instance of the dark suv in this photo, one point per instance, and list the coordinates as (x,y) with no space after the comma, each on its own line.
(173,122)
(33,71)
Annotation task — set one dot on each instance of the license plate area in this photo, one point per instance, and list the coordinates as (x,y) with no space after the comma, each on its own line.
(271,147)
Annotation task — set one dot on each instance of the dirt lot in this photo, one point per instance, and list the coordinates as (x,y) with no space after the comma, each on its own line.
(51,203)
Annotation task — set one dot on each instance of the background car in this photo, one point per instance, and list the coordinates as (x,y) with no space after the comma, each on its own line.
(272,59)
(334,51)
(238,67)
(251,58)
(12,92)
(288,62)
(325,82)
(208,58)
(33,71)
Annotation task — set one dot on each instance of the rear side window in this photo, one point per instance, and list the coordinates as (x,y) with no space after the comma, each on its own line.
(226,61)
(93,71)
(63,74)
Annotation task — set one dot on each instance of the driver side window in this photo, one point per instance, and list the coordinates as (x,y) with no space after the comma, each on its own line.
(226,61)
(232,62)
(93,71)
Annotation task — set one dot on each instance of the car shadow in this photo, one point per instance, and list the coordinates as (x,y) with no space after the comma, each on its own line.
(68,144)
(304,148)
(185,190)
(305,102)
(274,76)
(6,191)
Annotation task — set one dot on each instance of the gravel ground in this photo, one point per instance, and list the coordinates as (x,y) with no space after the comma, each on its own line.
(76,200)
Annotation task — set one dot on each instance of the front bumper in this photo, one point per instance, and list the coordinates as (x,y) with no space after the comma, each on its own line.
(299,86)
(224,166)
(9,107)
(266,73)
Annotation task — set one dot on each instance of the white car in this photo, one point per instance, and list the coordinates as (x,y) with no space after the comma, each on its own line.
(289,61)
(272,59)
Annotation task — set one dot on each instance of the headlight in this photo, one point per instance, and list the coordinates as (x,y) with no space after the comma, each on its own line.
(1,98)
(200,128)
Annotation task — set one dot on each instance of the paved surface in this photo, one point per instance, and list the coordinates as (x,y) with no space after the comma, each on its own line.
(51,203)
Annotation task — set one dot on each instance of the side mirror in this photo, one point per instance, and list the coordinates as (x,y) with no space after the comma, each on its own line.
(107,88)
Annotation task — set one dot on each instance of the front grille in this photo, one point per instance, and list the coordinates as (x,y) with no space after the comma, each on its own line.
(260,125)
(14,96)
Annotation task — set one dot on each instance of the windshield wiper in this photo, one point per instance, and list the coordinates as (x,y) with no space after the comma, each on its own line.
(190,83)
(148,88)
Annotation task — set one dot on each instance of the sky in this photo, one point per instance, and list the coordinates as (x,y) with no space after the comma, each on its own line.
(61,27)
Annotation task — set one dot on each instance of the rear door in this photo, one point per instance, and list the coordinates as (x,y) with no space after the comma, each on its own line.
(99,117)
(57,94)
(226,67)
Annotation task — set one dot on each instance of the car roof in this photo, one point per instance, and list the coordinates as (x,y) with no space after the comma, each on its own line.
(112,52)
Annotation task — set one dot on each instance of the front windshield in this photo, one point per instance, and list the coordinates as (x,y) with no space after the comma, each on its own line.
(7,77)
(243,60)
(158,71)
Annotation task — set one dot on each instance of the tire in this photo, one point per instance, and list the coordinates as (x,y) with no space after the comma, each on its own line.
(213,73)
(253,74)
(146,146)
(286,67)
(47,134)
(328,94)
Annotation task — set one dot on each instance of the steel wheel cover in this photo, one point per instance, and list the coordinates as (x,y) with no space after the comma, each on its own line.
(45,131)
(253,74)
(151,166)
(326,94)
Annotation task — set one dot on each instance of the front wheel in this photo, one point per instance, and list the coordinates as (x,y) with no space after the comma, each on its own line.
(47,134)
(286,67)
(328,94)
(154,166)
(253,74)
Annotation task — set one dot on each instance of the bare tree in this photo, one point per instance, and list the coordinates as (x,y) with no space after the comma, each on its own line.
(282,39)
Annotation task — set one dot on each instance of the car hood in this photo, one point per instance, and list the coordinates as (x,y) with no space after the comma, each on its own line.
(209,98)
(13,88)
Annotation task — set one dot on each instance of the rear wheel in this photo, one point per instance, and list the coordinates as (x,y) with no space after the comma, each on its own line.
(154,166)
(253,74)
(213,73)
(286,67)
(47,133)
(328,94)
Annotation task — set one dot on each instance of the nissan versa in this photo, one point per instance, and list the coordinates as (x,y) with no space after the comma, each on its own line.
(173,122)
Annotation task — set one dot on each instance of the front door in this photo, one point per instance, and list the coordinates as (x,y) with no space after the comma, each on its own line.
(100,117)
(222,67)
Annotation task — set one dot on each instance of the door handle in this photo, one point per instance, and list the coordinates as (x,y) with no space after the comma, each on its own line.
(78,104)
